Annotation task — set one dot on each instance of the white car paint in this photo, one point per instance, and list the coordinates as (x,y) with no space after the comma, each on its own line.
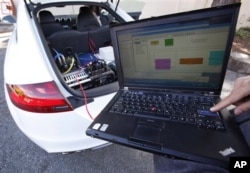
(25,64)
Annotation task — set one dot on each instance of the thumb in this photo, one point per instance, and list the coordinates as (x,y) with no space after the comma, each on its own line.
(244,107)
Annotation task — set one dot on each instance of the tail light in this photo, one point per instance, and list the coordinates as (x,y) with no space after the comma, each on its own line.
(40,97)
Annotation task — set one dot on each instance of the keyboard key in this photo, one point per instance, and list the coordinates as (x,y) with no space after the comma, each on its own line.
(151,115)
(207,113)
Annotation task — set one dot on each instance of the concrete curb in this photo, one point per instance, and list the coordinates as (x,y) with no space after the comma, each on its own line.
(6,27)
(239,62)
(4,38)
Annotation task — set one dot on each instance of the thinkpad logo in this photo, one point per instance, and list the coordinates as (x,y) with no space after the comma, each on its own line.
(227,151)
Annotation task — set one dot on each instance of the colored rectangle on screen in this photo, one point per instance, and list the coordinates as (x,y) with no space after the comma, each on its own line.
(169,42)
(162,64)
(216,58)
(192,61)
(155,42)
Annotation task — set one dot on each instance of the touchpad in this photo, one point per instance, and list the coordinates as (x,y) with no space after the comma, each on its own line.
(147,133)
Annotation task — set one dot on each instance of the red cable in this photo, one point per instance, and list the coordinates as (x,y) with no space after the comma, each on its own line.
(84,95)
(92,47)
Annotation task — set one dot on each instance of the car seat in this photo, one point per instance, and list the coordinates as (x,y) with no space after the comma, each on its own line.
(99,38)
(48,23)
(86,20)
(69,41)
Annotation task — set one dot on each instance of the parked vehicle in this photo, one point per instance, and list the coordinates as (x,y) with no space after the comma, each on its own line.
(59,70)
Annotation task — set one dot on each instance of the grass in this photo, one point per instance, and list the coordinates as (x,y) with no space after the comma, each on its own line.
(243,33)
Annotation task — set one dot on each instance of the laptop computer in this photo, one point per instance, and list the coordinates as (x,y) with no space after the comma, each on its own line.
(171,71)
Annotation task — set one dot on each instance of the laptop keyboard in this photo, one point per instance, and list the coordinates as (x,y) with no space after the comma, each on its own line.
(189,109)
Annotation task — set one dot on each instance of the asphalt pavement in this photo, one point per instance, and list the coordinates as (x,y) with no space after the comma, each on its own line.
(19,155)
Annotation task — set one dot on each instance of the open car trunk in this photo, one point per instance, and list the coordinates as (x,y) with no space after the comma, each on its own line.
(77,40)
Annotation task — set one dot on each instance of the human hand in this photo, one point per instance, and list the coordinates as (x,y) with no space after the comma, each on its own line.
(239,96)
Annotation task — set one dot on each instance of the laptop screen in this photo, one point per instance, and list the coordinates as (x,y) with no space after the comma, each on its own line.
(186,50)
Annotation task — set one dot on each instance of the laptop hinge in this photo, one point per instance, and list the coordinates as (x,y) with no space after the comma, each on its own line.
(126,88)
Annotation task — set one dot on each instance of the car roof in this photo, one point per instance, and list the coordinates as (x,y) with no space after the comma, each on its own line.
(52,1)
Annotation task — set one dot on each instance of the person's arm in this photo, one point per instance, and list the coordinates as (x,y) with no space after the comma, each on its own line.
(239,96)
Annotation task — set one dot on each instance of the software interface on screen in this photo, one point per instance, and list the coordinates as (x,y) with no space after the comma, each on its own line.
(188,54)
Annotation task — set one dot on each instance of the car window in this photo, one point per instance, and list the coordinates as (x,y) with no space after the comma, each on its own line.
(65,10)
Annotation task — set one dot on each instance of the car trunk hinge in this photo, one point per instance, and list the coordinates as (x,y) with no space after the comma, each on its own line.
(30,6)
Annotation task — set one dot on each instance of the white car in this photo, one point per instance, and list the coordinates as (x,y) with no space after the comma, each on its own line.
(59,71)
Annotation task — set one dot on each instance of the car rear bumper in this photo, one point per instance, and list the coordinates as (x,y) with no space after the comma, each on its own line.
(60,132)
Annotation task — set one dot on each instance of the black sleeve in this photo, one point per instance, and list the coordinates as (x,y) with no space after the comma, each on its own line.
(244,124)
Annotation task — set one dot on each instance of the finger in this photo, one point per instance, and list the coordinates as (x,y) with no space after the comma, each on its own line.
(232,98)
(238,103)
(237,94)
(244,107)
(222,104)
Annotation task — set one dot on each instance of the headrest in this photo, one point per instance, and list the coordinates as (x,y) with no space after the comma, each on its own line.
(46,17)
(86,20)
